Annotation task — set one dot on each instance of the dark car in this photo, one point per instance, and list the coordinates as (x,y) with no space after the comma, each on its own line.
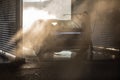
(67,35)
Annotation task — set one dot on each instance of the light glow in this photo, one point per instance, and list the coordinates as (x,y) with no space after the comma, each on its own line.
(34,0)
(30,15)
(54,23)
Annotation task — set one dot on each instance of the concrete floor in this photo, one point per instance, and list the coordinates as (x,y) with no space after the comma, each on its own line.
(62,70)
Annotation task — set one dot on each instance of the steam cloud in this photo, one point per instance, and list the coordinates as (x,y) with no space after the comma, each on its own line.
(41,33)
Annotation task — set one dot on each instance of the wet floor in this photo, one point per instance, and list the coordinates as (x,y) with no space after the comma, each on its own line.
(71,69)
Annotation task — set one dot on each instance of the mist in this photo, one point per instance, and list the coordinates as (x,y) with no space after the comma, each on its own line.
(42,34)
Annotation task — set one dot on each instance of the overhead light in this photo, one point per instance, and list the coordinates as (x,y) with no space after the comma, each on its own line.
(34,0)
(54,23)
(43,0)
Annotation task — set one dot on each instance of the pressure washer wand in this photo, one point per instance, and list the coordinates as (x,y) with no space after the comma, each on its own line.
(11,57)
